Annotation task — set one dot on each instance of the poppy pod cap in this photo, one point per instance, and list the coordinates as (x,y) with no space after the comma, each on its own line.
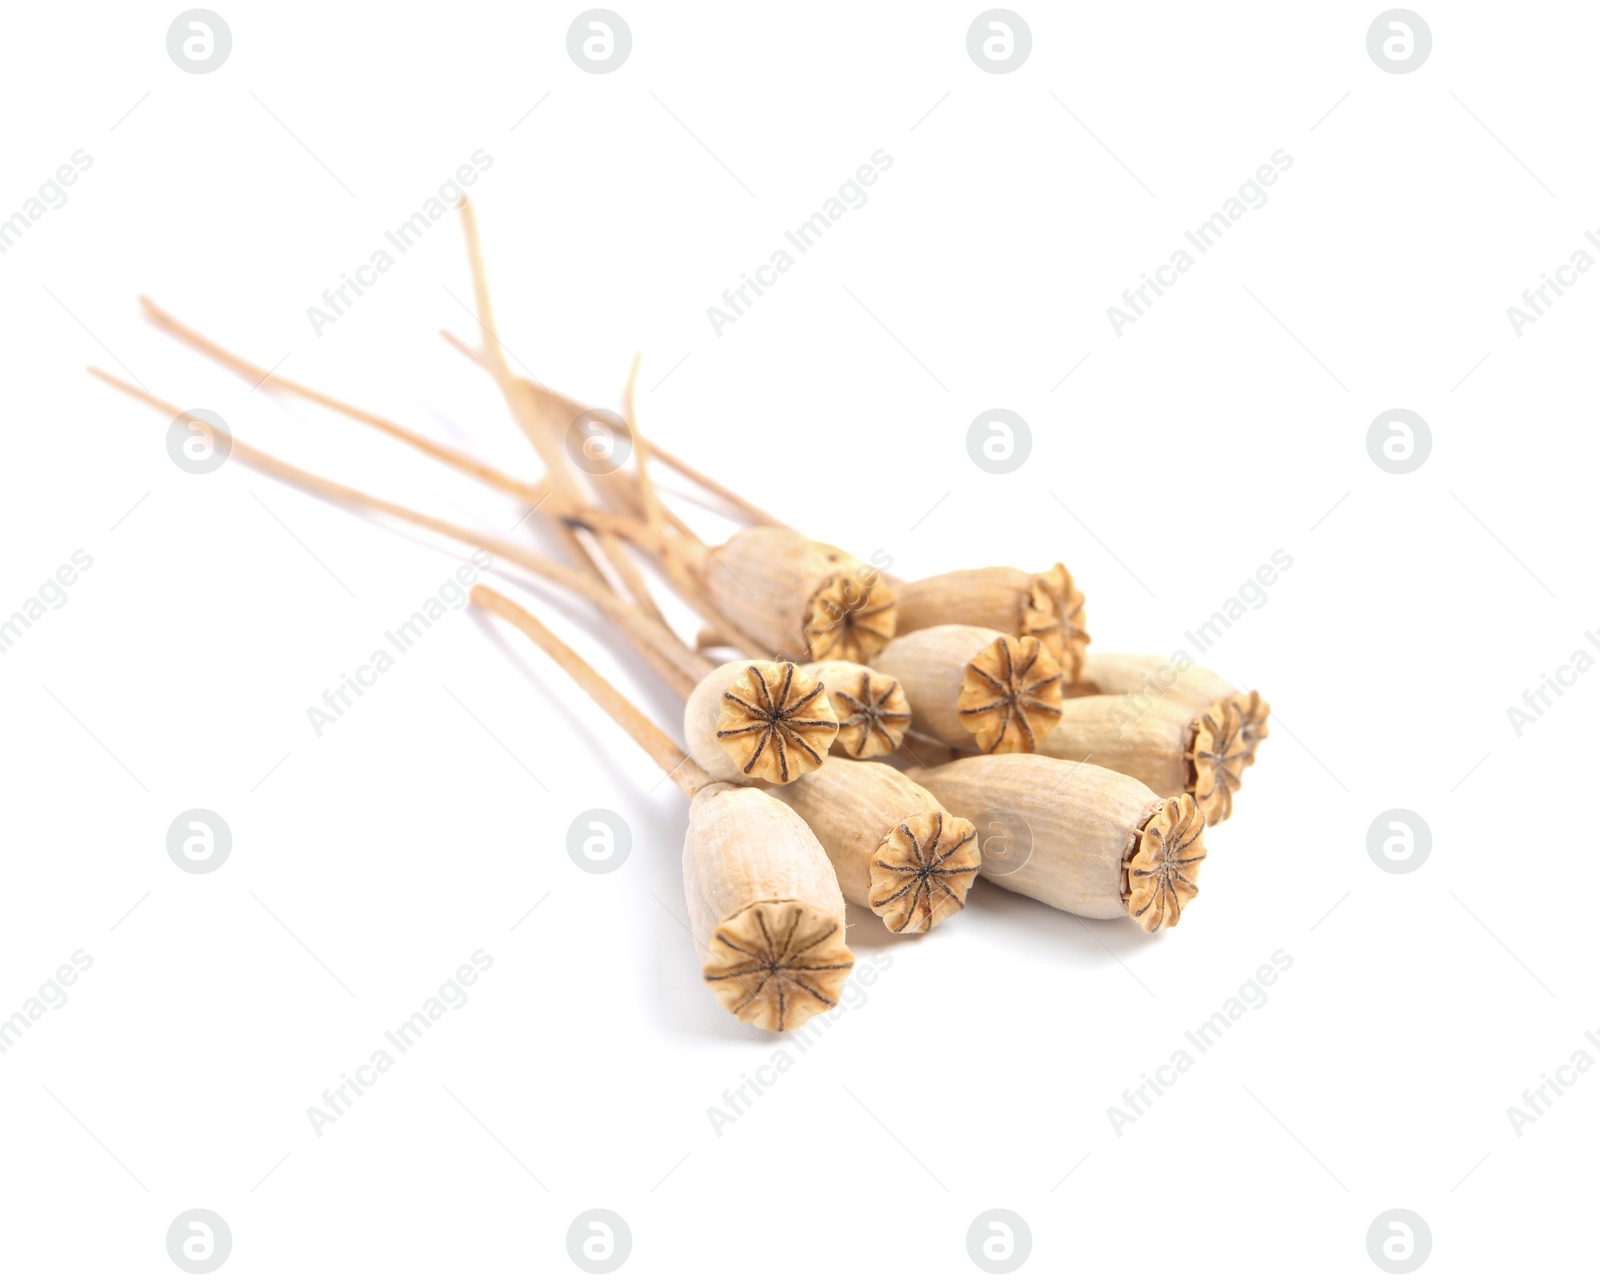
(758,721)
(871,707)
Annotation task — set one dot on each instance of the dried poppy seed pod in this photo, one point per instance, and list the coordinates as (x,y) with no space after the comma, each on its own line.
(1084,839)
(758,721)
(976,689)
(894,849)
(872,710)
(1160,742)
(1047,606)
(1183,682)
(765,906)
(798,597)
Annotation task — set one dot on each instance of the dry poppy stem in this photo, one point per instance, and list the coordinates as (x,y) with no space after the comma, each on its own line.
(527,493)
(750,512)
(759,520)
(676,555)
(665,651)
(657,517)
(764,903)
(260,376)
(679,550)
(753,514)
(667,548)
(527,409)
(674,552)
(685,773)
(806,600)
(520,490)
(653,517)
(645,520)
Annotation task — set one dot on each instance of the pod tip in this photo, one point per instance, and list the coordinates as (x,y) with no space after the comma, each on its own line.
(777,964)
(1159,874)
(922,871)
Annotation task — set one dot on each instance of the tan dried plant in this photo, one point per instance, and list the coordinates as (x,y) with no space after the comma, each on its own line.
(1159,742)
(895,850)
(764,903)
(976,689)
(1047,606)
(1081,838)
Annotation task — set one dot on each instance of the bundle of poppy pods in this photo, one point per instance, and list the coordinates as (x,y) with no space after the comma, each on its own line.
(867,740)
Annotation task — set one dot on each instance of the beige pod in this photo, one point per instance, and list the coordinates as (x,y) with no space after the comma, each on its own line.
(1164,744)
(976,689)
(765,908)
(1047,606)
(894,849)
(871,707)
(1182,681)
(764,905)
(758,721)
(800,598)
(1078,837)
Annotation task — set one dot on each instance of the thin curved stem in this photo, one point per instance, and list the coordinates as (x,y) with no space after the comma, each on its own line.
(663,650)
(259,376)
(671,759)
(677,554)
(752,515)
(526,402)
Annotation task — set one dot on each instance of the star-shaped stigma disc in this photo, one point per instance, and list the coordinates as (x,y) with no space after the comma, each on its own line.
(778,963)
(1159,875)
(1253,714)
(873,714)
(922,870)
(1010,696)
(1052,612)
(1218,756)
(775,723)
(851,617)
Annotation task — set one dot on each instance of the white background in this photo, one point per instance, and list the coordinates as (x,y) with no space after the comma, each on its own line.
(1229,422)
